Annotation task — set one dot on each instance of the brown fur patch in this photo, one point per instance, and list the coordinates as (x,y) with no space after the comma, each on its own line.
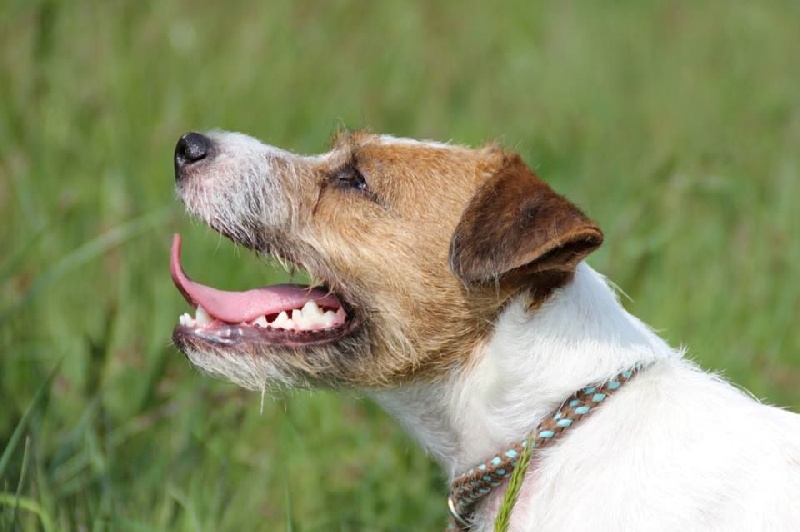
(516,221)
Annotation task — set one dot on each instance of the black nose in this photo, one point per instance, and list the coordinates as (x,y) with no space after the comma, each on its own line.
(191,147)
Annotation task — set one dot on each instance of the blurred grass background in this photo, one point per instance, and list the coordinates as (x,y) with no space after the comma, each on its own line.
(676,126)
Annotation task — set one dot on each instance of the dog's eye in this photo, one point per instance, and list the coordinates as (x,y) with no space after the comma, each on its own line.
(350,178)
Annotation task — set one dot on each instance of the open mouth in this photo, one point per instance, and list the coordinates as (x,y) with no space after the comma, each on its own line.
(285,314)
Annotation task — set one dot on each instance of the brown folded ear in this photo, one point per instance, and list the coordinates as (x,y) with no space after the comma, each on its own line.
(516,223)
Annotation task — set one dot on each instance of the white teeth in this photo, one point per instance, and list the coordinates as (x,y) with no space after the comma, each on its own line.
(201,317)
(328,318)
(313,314)
(283,322)
(311,309)
(297,317)
(311,317)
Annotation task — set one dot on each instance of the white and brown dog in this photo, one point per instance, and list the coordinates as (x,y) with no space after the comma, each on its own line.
(453,291)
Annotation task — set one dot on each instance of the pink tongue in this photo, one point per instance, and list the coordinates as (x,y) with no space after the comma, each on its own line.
(238,307)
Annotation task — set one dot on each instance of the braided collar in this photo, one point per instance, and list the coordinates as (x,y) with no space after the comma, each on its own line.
(474,485)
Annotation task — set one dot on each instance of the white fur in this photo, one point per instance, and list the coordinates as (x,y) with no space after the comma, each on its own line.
(675,449)
(251,372)
(391,139)
(234,196)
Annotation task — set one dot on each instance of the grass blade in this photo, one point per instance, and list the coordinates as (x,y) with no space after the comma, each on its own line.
(19,430)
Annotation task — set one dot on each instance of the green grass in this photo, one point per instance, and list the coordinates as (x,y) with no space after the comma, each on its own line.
(676,127)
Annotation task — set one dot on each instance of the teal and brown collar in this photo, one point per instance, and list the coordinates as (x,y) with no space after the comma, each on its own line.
(467,490)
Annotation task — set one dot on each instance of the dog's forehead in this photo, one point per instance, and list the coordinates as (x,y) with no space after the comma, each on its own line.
(380,153)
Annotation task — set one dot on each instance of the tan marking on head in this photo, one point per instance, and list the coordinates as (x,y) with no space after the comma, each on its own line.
(389,250)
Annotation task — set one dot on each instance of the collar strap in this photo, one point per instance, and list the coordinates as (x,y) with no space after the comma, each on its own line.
(474,485)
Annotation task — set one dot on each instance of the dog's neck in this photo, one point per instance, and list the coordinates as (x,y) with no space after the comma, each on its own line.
(530,364)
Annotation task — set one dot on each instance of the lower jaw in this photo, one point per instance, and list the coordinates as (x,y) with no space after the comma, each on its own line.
(249,360)
(229,335)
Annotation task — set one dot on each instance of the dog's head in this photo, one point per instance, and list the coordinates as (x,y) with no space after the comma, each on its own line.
(417,247)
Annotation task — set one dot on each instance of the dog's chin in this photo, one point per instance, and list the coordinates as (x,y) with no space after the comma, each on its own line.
(256,358)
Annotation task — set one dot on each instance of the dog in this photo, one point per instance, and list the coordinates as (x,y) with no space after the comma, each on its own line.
(450,286)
